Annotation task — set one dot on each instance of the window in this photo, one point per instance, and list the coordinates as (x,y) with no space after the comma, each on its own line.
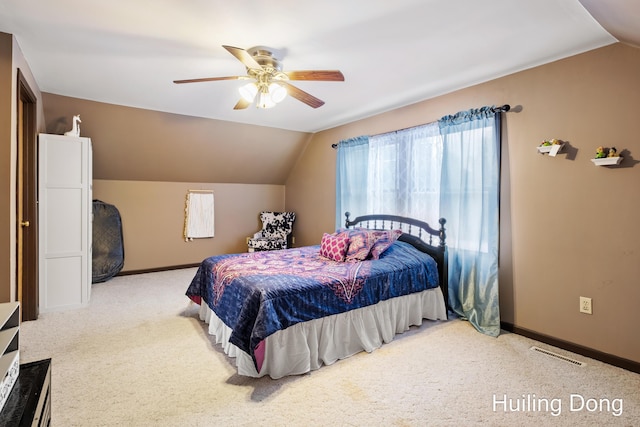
(448,169)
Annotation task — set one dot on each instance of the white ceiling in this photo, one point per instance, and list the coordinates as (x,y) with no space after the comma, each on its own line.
(392,53)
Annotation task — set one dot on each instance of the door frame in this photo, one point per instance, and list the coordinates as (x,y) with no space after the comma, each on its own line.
(27,201)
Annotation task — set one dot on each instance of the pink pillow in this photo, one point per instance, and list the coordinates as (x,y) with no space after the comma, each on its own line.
(334,246)
(383,239)
(360,244)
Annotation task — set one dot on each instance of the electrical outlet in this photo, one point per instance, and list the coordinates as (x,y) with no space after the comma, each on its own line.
(585,305)
(293,240)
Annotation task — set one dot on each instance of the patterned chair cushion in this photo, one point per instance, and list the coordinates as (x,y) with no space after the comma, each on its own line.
(276,227)
(262,244)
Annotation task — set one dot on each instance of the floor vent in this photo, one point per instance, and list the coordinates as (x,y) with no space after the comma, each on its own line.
(558,356)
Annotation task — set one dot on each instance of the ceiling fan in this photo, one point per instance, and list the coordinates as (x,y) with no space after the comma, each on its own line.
(270,84)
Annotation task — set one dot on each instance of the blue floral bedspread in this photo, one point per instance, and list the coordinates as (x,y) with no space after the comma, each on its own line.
(257,294)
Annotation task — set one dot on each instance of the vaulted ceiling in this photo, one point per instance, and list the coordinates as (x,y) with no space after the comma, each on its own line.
(392,53)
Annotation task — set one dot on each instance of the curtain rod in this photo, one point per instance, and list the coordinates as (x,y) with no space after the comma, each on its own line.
(502,109)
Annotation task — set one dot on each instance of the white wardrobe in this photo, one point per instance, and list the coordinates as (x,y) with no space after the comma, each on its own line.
(65,213)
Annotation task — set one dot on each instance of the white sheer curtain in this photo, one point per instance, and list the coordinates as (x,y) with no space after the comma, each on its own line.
(404,173)
(393,173)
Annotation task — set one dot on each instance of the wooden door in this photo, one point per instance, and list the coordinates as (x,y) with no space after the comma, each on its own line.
(26,202)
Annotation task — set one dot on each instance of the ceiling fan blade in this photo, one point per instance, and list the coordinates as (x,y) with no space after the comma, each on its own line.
(243,56)
(303,96)
(242,104)
(210,79)
(320,75)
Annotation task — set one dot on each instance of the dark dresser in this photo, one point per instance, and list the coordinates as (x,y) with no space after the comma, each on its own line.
(29,403)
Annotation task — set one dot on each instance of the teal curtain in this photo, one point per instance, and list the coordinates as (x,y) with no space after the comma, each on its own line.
(469,200)
(352,168)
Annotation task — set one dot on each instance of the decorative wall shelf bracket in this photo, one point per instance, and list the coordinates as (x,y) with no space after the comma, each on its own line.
(607,161)
(552,150)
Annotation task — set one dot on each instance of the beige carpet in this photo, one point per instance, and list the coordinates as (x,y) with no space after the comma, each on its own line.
(139,356)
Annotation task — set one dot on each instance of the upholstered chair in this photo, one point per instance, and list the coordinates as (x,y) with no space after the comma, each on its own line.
(275,233)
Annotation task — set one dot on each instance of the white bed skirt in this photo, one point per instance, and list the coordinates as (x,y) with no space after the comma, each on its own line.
(306,346)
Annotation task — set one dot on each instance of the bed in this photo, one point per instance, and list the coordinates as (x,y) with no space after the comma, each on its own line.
(290,311)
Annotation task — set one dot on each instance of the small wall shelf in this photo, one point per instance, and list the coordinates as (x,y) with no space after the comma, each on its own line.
(551,147)
(607,161)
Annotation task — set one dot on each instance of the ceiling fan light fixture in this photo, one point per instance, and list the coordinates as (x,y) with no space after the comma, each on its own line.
(277,92)
(265,101)
(269,81)
(248,92)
